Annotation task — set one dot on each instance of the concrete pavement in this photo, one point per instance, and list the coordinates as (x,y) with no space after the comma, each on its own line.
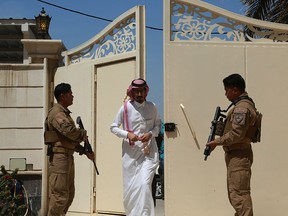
(159,210)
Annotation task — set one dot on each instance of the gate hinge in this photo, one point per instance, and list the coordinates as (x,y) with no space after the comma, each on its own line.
(95,77)
(94,191)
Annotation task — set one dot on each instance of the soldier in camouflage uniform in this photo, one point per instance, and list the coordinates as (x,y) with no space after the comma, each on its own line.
(63,139)
(236,142)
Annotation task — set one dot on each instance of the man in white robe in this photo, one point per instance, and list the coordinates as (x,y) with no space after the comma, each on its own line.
(141,124)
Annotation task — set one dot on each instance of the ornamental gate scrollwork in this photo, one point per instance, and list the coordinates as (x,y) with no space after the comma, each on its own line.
(202,22)
(118,37)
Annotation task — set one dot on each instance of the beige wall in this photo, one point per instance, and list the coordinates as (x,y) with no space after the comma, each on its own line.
(194,186)
(110,96)
(21,108)
(80,77)
(202,45)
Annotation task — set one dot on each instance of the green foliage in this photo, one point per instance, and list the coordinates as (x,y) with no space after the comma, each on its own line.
(12,201)
(268,10)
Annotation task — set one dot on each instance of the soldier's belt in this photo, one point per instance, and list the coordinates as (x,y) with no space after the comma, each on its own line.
(61,150)
(237,146)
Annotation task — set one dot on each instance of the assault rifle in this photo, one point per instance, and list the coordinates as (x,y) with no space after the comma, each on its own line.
(216,128)
(87,146)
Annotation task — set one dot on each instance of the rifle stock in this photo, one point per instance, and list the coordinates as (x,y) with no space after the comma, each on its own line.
(213,130)
(87,146)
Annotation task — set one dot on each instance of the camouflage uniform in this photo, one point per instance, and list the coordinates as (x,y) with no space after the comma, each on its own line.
(239,155)
(64,139)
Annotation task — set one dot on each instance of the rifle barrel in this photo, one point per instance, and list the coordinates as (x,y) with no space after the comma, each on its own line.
(87,145)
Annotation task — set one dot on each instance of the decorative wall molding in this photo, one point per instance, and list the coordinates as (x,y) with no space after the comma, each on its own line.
(118,37)
(199,21)
(118,40)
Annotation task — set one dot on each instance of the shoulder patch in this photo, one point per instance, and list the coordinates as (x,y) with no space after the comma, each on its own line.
(239,116)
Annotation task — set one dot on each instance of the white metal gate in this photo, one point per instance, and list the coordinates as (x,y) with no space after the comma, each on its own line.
(99,72)
(203,44)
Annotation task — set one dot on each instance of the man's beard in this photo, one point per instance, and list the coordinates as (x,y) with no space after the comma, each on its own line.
(139,99)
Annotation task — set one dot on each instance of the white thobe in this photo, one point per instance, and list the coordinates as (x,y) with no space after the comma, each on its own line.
(138,168)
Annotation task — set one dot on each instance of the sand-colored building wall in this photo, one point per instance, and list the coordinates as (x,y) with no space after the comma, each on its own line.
(194,80)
